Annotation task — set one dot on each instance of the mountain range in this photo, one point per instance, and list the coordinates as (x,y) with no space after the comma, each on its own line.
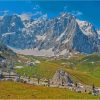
(61,35)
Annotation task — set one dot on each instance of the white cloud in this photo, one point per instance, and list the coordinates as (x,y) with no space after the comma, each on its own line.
(36,7)
(4,12)
(73,12)
(37,13)
(65,8)
(76,13)
(25,16)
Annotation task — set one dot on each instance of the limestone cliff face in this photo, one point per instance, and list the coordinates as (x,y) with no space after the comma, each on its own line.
(61,35)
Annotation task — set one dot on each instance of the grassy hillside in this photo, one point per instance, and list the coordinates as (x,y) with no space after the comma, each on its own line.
(44,69)
(12,90)
(81,69)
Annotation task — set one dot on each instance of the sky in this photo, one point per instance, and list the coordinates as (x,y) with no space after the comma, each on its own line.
(83,10)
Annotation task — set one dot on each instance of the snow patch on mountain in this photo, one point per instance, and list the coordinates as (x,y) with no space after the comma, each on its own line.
(98,31)
(40,37)
(62,34)
(86,27)
(13,24)
(9,33)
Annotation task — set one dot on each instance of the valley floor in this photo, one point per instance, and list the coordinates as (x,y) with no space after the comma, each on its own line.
(14,90)
(82,69)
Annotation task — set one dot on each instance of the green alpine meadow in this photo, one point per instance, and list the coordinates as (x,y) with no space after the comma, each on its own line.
(49,49)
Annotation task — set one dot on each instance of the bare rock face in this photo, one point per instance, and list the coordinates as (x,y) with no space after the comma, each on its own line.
(61,35)
(61,78)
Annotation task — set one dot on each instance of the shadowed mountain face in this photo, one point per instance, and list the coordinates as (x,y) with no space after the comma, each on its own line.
(61,35)
(6,53)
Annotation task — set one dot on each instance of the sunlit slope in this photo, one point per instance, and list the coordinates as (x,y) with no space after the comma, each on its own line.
(85,69)
(12,90)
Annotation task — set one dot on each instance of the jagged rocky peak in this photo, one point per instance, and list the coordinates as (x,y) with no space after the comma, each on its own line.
(86,27)
(65,14)
(11,18)
(10,23)
(55,36)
